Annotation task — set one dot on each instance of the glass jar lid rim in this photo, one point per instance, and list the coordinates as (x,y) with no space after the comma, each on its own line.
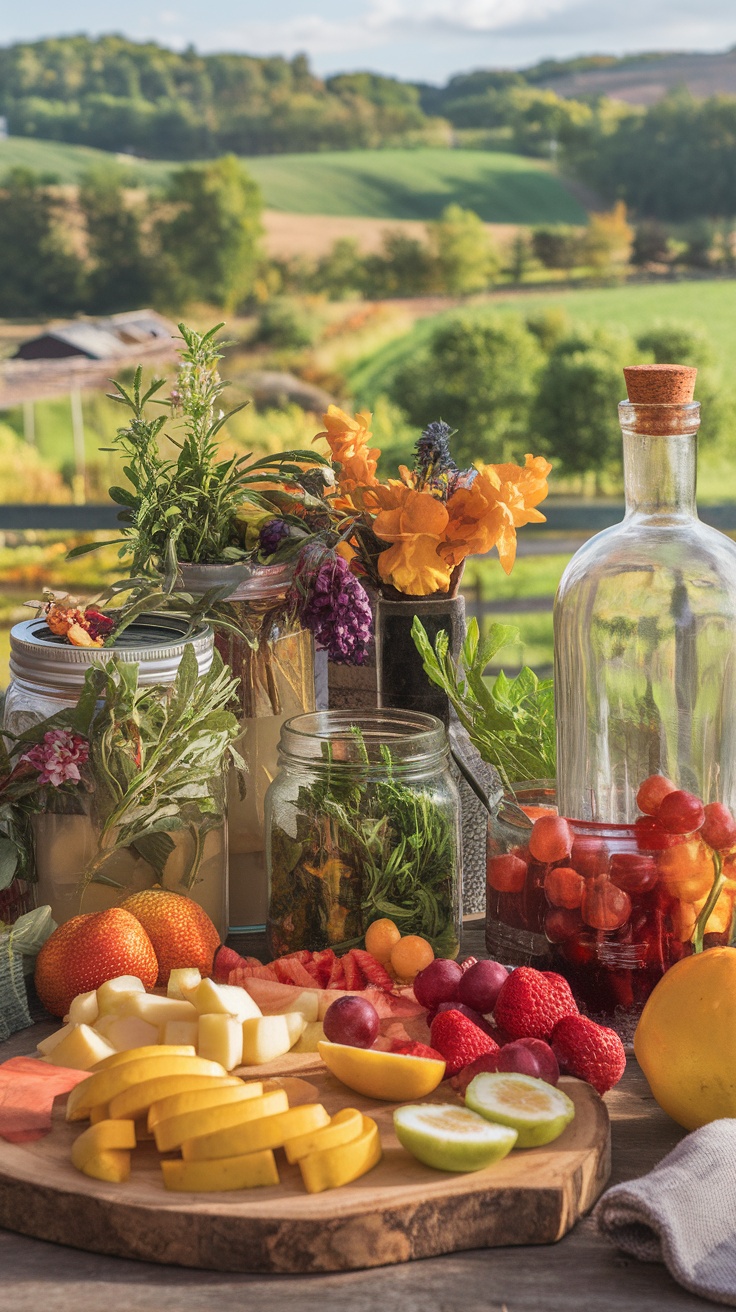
(414,734)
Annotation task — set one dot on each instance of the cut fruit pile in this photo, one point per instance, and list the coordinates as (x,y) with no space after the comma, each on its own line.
(355,971)
(225,1130)
(219,1022)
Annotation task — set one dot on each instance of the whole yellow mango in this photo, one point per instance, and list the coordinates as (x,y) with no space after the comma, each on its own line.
(685,1041)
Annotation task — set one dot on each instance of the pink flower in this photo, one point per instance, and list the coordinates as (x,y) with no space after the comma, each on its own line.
(58,757)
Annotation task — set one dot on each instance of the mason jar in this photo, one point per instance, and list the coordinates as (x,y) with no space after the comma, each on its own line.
(47,675)
(362,823)
(273,657)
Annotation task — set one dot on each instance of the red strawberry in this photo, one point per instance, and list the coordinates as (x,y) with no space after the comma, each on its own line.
(488,1062)
(373,971)
(414,1049)
(459,1040)
(531,1002)
(353,973)
(589,1051)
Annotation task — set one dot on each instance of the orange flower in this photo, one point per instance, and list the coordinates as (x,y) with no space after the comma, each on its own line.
(414,522)
(348,440)
(501,499)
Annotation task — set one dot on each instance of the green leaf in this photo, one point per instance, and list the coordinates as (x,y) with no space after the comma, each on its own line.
(8,862)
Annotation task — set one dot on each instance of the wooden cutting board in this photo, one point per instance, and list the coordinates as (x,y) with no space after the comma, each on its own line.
(400,1211)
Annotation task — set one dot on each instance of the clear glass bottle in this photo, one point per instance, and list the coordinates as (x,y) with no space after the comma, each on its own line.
(645,625)
(362,822)
(47,675)
(273,657)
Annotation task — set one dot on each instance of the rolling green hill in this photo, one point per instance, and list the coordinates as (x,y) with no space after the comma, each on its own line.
(384,184)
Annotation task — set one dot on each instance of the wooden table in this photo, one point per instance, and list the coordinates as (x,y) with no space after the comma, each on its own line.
(581,1272)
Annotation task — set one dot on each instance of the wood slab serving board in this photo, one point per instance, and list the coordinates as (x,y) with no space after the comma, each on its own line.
(400,1211)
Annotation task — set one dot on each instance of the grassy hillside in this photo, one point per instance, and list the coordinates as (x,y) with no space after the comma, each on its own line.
(385,184)
(710,304)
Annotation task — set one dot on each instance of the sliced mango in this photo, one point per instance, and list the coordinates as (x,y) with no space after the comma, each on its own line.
(173,1132)
(103,1086)
(253,1136)
(229,1091)
(150,1050)
(100,1113)
(244,1172)
(344,1126)
(103,1151)
(342,1164)
(136,1100)
(389,1075)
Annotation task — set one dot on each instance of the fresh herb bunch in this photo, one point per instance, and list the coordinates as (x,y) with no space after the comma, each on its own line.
(151,764)
(364,848)
(186,509)
(512,721)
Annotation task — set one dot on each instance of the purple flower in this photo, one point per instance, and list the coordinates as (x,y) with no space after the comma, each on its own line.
(272,535)
(337,610)
(58,757)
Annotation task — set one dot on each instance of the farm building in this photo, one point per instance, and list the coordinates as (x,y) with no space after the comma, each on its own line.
(98,339)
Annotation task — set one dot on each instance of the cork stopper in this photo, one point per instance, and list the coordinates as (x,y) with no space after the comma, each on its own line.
(660,384)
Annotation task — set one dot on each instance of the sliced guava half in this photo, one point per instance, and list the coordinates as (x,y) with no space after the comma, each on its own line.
(538,1111)
(450,1137)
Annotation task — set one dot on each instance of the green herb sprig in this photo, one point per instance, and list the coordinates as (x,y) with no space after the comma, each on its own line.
(511,722)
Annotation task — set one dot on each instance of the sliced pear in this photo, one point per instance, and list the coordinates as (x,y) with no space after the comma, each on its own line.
(47,1045)
(253,1136)
(245,1172)
(220,1038)
(126,1033)
(113,991)
(183,983)
(81,1049)
(84,1009)
(172,1133)
(451,1138)
(296,1024)
(264,1039)
(179,1104)
(228,999)
(538,1111)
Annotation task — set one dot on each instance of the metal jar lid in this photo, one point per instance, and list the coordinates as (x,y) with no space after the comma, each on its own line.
(155,643)
(245,582)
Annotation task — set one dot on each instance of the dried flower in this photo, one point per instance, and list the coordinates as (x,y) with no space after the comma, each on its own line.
(334,605)
(58,757)
(271,536)
(82,628)
(434,465)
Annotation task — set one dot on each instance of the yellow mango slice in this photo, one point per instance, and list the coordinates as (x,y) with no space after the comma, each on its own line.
(340,1165)
(101,1137)
(103,1086)
(233,1090)
(112,1165)
(253,1136)
(244,1172)
(173,1132)
(344,1126)
(136,1100)
(392,1076)
(99,1113)
(150,1050)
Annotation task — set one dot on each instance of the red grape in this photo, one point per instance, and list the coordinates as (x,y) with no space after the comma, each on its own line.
(589,855)
(719,826)
(529,1057)
(506,873)
(481,985)
(550,839)
(650,837)
(564,887)
(437,983)
(604,905)
(633,872)
(353,1021)
(652,792)
(680,812)
(560,925)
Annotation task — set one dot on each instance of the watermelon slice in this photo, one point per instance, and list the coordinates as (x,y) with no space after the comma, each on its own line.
(290,971)
(272,997)
(373,971)
(386,1004)
(324,961)
(28,1087)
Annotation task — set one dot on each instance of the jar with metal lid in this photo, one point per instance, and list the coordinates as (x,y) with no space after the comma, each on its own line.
(273,657)
(47,676)
(362,823)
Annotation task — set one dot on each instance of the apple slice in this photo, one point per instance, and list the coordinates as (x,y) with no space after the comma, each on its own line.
(183,983)
(227,999)
(81,1049)
(264,1039)
(84,1009)
(221,1039)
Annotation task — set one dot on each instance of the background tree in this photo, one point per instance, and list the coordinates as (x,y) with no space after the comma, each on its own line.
(606,242)
(668,341)
(39,271)
(575,415)
(651,244)
(478,375)
(403,267)
(122,275)
(464,257)
(556,247)
(210,244)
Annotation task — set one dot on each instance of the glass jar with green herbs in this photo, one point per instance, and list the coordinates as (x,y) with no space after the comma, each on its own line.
(362,822)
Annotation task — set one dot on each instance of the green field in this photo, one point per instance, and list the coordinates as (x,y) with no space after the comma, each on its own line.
(710,305)
(383,184)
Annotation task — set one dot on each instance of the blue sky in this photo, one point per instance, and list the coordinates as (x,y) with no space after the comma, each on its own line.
(427,39)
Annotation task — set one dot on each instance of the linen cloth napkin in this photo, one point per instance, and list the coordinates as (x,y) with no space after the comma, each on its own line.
(683,1213)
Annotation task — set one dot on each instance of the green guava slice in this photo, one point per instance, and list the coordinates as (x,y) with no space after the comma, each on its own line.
(451,1138)
(538,1111)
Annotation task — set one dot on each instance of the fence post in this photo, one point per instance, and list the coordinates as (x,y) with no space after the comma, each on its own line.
(80,464)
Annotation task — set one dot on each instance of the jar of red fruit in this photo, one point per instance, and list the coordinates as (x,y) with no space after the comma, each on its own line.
(609,906)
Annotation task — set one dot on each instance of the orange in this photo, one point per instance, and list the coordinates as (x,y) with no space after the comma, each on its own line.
(380,938)
(87,950)
(410,955)
(182,933)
